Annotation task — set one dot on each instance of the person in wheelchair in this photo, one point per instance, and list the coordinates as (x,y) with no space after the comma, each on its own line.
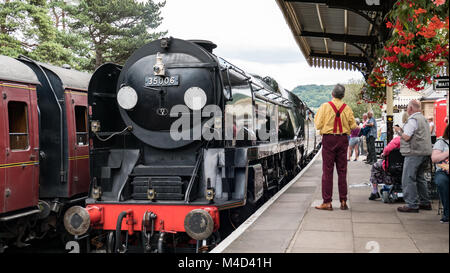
(441,177)
(379,174)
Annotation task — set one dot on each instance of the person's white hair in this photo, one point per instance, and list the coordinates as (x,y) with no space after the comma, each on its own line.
(338,91)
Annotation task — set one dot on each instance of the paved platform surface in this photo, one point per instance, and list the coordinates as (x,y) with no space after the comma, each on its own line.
(292,224)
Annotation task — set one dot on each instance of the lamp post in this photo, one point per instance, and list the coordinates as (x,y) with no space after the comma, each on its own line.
(389,112)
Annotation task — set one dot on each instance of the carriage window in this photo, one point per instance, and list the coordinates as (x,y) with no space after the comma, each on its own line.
(18,125)
(81,125)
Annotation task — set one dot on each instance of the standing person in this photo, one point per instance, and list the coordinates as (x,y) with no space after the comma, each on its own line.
(432,130)
(334,120)
(441,177)
(361,139)
(415,146)
(353,142)
(370,138)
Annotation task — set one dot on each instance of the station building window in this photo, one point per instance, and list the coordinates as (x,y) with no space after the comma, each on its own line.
(18,125)
(81,125)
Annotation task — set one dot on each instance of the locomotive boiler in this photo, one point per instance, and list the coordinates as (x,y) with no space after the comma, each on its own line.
(184,144)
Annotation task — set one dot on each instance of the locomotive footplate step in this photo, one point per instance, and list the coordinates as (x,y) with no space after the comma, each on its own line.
(182,170)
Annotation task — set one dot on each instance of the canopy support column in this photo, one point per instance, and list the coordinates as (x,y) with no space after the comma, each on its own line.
(389,112)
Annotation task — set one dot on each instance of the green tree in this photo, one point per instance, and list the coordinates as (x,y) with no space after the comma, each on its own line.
(114,28)
(26,27)
(71,41)
(352,90)
(315,95)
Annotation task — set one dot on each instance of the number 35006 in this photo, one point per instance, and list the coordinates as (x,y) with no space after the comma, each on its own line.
(162,81)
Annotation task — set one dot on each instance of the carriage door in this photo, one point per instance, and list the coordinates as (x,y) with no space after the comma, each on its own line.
(78,141)
(22,169)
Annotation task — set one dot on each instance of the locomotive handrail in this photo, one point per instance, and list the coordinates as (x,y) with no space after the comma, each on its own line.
(194,65)
(194,175)
(235,68)
(229,84)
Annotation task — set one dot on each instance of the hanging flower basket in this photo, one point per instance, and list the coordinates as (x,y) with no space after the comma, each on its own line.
(374,91)
(419,42)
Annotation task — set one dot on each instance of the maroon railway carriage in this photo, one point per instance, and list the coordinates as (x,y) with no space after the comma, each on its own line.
(44,168)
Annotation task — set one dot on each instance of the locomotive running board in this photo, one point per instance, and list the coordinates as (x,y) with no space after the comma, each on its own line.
(244,226)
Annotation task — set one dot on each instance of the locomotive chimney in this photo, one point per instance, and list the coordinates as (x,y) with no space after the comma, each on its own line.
(208,45)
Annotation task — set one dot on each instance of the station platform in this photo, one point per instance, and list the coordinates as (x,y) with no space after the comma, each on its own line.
(289,223)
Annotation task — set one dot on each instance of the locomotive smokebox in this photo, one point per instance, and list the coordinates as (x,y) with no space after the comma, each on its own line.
(155,82)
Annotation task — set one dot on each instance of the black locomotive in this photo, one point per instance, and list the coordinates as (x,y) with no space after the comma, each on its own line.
(182,144)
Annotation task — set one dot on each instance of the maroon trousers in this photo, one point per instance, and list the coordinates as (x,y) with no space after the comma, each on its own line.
(334,150)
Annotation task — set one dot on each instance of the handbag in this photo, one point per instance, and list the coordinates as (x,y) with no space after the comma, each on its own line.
(364,131)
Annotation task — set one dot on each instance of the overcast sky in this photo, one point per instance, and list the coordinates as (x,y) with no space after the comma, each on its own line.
(251,34)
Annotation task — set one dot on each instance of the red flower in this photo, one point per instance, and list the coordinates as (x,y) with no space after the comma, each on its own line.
(439,2)
(397,49)
(407,65)
(406,51)
(409,36)
(420,10)
(436,23)
(389,24)
(427,33)
(391,59)
(398,26)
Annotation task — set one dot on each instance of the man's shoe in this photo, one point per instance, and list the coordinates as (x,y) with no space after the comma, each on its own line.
(407,209)
(374,196)
(344,205)
(425,207)
(444,220)
(325,206)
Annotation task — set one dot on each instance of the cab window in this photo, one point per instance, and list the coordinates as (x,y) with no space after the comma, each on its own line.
(81,125)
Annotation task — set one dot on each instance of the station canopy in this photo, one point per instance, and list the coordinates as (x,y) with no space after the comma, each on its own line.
(339,34)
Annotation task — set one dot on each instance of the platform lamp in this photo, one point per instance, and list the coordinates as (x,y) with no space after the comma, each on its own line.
(389,110)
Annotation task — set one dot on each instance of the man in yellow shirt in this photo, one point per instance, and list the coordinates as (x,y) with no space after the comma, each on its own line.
(335,121)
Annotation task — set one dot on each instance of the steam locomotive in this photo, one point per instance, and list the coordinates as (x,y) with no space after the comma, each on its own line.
(183,144)
(44,165)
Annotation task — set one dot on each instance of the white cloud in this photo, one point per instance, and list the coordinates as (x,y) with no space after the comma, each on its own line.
(251,34)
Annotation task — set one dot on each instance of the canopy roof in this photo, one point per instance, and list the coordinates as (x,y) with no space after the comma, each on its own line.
(342,34)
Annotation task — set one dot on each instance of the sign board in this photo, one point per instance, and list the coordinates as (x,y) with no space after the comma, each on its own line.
(442,83)
(379,147)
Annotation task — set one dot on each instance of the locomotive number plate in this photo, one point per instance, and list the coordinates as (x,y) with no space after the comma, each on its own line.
(157,81)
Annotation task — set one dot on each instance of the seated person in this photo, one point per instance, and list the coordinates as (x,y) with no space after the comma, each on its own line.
(378,173)
(441,177)
(353,142)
